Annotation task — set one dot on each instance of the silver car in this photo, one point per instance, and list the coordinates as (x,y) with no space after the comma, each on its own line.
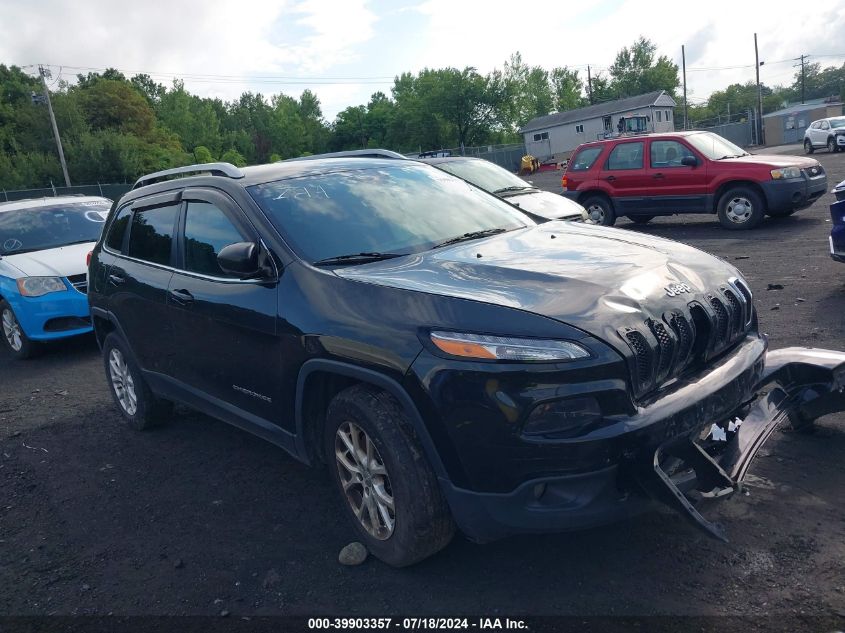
(825,133)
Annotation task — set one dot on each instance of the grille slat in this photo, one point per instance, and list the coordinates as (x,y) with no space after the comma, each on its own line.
(79,282)
(665,347)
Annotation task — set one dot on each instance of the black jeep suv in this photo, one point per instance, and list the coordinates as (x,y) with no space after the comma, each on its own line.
(454,363)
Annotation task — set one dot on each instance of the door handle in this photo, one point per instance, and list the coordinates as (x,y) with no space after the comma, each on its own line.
(610,178)
(658,175)
(116,278)
(182,297)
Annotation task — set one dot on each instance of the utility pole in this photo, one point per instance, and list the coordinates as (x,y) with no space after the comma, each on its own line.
(43,72)
(802,75)
(684,64)
(760,136)
(589,84)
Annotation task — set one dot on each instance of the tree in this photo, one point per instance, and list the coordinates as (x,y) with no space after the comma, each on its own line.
(635,71)
(202,154)
(114,104)
(234,157)
(567,89)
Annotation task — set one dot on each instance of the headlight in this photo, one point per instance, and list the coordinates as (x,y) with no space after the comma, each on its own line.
(37,286)
(506,348)
(786,172)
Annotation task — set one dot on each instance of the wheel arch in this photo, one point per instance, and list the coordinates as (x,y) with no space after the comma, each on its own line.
(720,191)
(589,193)
(326,378)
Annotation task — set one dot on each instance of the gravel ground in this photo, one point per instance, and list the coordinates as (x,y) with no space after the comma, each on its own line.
(200,518)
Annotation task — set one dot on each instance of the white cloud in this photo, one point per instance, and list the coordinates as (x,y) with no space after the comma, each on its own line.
(375,38)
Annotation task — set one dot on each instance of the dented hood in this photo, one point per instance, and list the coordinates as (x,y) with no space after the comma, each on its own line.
(594,278)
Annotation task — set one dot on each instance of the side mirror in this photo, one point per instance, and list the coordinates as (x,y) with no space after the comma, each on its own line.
(240,259)
(689,161)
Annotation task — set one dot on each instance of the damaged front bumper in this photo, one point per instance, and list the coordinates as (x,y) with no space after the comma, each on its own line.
(798,384)
(676,455)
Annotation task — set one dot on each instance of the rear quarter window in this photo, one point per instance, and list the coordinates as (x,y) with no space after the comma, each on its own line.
(584,159)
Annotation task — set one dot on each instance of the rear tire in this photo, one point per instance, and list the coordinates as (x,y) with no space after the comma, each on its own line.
(386,485)
(641,219)
(140,408)
(808,146)
(16,340)
(740,208)
(600,210)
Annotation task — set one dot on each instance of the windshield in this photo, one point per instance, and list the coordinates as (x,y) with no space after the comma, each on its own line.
(714,146)
(837,123)
(385,209)
(482,173)
(51,226)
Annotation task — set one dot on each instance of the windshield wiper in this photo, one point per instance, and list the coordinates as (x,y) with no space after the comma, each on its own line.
(512,188)
(472,235)
(355,258)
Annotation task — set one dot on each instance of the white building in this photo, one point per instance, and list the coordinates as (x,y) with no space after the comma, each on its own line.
(557,135)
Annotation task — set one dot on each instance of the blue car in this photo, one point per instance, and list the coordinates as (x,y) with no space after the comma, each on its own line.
(44,245)
(837,216)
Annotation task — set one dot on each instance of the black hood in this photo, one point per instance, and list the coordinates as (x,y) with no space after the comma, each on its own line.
(595,278)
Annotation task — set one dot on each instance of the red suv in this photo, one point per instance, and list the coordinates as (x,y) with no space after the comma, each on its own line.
(648,175)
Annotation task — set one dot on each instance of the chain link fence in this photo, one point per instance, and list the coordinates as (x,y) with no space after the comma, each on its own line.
(508,156)
(111,191)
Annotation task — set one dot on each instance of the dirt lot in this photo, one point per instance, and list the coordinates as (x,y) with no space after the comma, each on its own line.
(200,518)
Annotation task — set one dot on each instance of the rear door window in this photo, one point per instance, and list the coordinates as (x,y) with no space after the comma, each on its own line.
(151,234)
(626,156)
(584,159)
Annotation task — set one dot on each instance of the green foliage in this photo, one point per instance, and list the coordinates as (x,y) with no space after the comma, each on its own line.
(234,157)
(202,154)
(635,71)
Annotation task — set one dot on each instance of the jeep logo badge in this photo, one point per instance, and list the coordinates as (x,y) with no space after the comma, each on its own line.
(675,289)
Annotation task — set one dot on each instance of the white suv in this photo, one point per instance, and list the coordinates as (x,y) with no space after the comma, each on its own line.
(829,133)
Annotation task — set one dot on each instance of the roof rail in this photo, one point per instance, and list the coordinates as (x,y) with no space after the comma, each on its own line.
(226,170)
(356,153)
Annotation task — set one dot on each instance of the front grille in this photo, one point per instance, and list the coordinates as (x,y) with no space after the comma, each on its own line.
(681,341)
(80,282)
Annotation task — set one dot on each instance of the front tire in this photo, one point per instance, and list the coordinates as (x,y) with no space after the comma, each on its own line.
(740,208)
(600,210)
(389,490)
(808,146)
(16,340)
(831,145)
(140,408)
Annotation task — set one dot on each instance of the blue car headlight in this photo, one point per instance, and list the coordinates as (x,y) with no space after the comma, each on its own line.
(39,286)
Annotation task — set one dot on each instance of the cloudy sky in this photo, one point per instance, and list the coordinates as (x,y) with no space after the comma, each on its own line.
(344,50)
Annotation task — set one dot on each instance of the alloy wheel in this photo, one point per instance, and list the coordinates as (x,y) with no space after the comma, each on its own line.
(596,213)
(12,330)
(365,481)
(122,382)
(739,210)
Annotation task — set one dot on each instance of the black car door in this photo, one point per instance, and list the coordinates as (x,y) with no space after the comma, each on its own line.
(224,326)
(138,267)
